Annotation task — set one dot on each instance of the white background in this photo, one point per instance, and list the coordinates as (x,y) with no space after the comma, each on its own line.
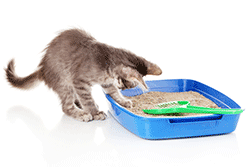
(207,41)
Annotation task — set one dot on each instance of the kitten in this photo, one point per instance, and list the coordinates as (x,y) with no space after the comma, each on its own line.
(75,61)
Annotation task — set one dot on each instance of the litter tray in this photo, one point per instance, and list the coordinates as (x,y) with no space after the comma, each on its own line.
(176,127)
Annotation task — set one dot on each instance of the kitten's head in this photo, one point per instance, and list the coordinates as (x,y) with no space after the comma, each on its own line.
(129,77)
(125,84)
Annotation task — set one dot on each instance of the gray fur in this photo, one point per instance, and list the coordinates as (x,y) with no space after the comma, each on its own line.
(74,61)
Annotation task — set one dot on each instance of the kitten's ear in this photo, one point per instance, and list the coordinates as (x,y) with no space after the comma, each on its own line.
(153,69)
(133,75)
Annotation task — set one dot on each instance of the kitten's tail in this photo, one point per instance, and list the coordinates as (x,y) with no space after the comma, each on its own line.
(27,82)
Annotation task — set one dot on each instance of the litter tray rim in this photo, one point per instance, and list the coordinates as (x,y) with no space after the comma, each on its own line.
(111,100)
(157,118)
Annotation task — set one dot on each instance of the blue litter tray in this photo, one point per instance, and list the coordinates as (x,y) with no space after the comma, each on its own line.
(176,127)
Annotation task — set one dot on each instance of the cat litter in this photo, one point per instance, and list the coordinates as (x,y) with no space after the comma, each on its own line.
(149,126)
(150,99)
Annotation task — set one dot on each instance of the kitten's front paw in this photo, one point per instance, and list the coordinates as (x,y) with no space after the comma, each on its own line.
(127,103)
(86,117)
(100,116)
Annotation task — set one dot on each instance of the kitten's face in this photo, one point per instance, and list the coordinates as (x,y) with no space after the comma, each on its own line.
(125,84)
(130,78)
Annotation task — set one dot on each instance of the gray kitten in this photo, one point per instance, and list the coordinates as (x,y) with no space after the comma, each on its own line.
(74,61)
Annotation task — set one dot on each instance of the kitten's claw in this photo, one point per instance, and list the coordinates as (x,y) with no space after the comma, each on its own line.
(100,116)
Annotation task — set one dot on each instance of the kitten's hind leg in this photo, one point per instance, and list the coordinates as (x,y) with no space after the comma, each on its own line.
(83,90)
(72,106)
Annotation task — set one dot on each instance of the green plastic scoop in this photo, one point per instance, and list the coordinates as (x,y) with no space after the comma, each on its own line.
(185,107)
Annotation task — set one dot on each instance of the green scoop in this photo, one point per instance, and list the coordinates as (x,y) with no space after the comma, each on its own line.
(185,107)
